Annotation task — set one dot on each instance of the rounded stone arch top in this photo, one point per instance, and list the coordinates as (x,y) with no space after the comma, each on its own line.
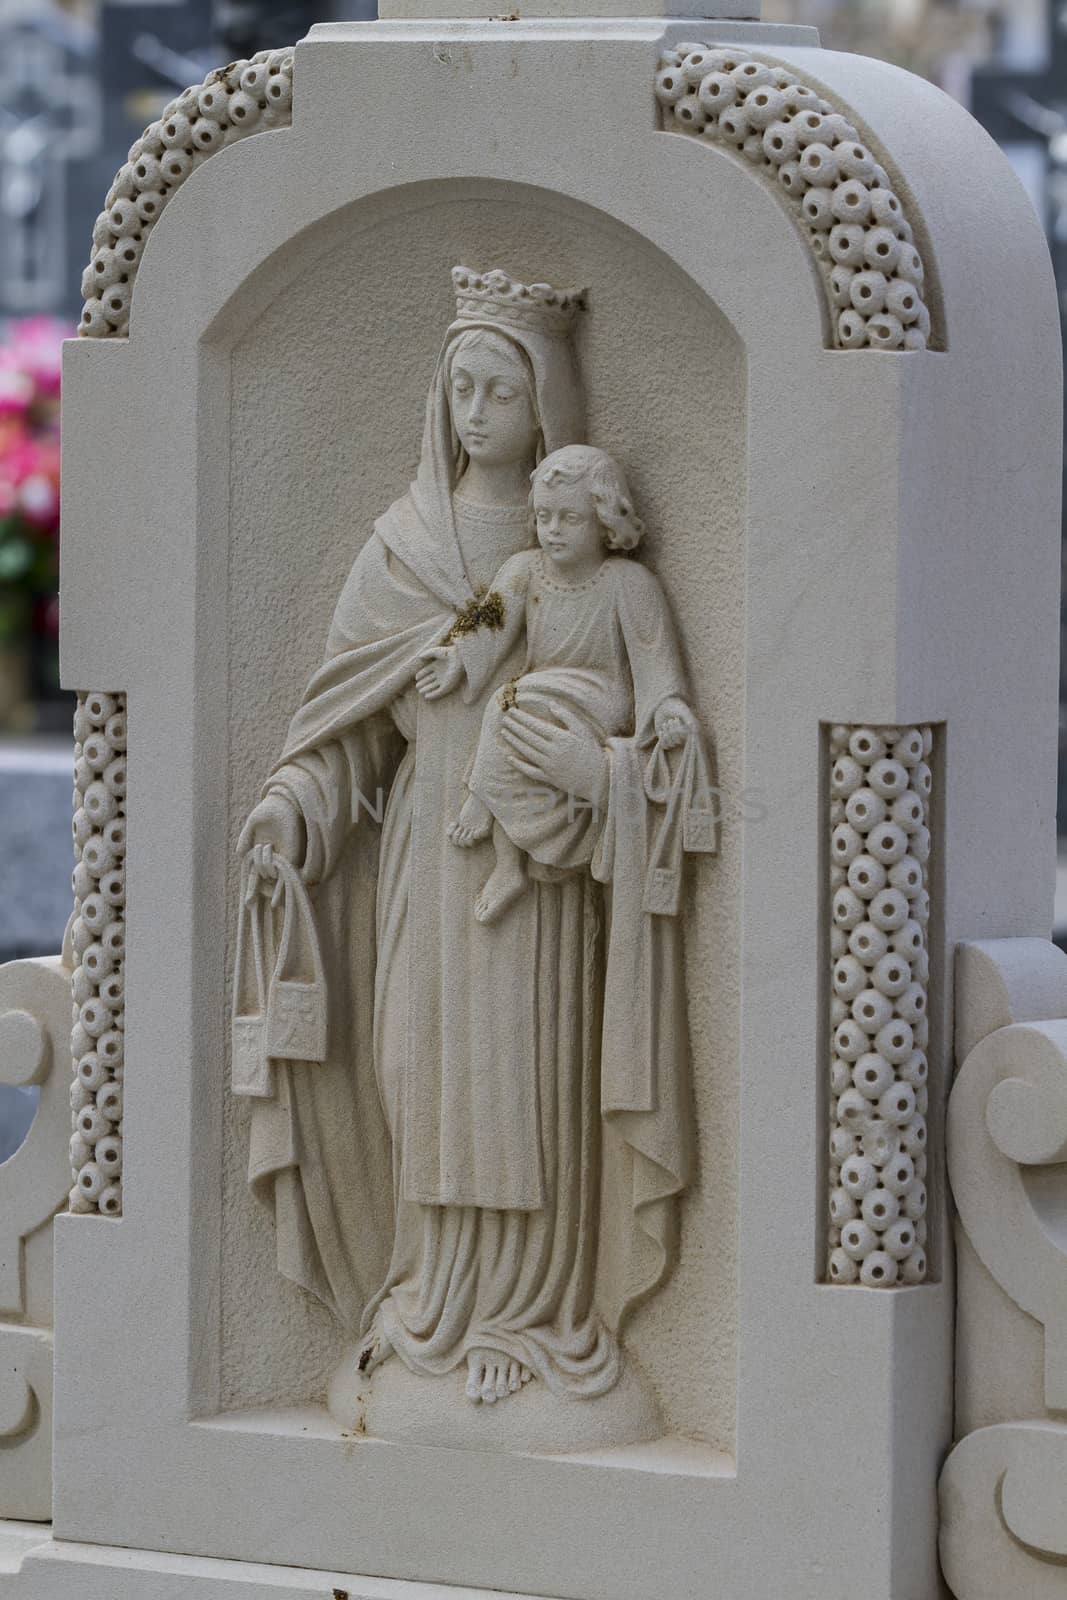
(233,101)
(826,175)
(802,144)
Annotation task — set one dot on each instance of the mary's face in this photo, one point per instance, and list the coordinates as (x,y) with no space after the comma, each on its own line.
(492,409)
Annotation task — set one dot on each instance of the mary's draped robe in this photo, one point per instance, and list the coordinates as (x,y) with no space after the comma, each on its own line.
(486,1159)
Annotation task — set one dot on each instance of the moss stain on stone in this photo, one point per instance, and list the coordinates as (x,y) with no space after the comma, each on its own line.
(482,611)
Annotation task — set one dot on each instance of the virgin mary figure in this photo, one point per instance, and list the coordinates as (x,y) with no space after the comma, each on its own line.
(480,1169)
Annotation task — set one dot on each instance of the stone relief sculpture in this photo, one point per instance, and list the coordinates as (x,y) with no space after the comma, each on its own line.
(599,641)
(465,1031)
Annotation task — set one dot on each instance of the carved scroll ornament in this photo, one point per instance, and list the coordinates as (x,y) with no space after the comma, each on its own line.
(1004,1487)
(34,1000)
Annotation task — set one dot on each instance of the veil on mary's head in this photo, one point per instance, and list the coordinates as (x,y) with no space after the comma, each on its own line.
(538,320)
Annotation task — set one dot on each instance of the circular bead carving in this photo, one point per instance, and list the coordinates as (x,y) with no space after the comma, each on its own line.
(822,171)
(97,942)
(244,97)
(878,1068)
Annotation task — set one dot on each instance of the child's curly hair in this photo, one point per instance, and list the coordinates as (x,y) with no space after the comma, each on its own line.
(603,477)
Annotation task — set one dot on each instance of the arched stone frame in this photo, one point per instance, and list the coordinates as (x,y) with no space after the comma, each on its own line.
(814,154)
(233,101)
(863,240)
(865,646)
(861,233)
(873,275)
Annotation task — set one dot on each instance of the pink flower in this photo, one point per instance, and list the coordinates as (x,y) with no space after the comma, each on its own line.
(22,458)
(16,392)
(38,500)
(35,349)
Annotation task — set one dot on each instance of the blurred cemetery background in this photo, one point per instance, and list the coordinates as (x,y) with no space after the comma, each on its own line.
(78,82)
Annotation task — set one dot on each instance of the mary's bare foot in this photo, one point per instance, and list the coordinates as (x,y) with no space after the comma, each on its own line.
(502,887)
(492,1376)
(473,824)
(374,1349)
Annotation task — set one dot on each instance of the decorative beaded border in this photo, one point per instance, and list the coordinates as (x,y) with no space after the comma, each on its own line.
(97,938)
(822,173)
(880,783)
(232,102)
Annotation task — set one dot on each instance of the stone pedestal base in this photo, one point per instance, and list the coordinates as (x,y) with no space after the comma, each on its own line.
(55,1570)
(406,1407)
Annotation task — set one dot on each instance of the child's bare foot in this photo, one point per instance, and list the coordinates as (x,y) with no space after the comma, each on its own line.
(473,824)
(502,887)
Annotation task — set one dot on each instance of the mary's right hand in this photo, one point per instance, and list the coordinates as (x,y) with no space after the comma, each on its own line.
(275,821)
(564,753)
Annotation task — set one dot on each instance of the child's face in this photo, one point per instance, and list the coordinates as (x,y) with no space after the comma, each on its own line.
(567,527)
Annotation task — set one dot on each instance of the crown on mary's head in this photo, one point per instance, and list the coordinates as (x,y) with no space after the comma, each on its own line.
(497,297)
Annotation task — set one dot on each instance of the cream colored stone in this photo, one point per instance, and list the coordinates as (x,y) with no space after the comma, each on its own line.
(879,791)
(34,1012)
(814,160)
(95,946)
(258,416)
(33,1567)
(307,576)
(1003,981)
(564,757)
(412,1408)
(1001,1501)
(1015,1082)
(1002,1488)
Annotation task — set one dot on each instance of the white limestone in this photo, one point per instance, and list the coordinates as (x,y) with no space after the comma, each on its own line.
(880,785)
(855,534)
(1002,1529)
(842,196)
(34,1007)
(95,951)
(539,745)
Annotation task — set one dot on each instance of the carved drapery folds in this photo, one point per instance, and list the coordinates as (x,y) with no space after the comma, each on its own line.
(232,102)
(97,936)
(34,996)
(880,782)
(1004,1486)
(829,180)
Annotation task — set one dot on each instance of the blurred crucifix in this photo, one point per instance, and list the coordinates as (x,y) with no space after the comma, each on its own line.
(48,118)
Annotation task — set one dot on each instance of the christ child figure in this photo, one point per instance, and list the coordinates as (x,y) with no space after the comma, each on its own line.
(600,650)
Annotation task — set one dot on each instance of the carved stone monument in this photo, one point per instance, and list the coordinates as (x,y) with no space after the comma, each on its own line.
(561,532)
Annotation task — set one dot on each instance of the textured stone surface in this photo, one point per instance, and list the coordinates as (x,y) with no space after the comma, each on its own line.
(1003,1486)
(290,556)
(833,531)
